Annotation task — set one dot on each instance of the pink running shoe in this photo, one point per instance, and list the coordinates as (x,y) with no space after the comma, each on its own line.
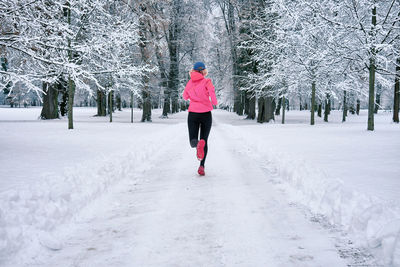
(201,171)
(200,149)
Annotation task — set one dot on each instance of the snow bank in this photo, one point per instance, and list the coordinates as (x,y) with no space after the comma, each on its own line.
(372,222)
(29,215)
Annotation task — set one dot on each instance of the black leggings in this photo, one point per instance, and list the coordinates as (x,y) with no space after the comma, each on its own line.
(203,122)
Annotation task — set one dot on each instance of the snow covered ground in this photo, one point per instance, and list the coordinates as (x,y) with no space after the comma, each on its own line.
(122,194)
(340,171)
(33,149)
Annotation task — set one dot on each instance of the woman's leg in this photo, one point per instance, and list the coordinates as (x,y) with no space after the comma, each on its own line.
(206,122)
(193,126)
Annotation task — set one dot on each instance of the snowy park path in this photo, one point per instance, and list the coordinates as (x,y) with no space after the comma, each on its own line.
(169,216)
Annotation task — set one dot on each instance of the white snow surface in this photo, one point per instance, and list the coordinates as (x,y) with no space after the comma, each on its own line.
(122,194)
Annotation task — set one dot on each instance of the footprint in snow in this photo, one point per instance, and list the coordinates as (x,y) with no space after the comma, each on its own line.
(295,237)
(301,257)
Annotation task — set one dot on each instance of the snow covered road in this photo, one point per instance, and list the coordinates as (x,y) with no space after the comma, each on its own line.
(169,216)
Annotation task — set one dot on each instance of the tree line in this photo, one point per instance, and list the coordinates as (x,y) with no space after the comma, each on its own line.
(316,50)
(103,48)
(261,54)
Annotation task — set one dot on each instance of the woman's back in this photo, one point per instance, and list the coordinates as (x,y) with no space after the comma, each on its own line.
(199,90)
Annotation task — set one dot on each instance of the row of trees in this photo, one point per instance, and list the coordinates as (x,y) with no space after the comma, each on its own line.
(102,47)
(319,50)
(260,53)
(54,47)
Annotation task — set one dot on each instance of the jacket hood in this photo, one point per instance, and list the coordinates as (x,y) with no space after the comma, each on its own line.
(196,76)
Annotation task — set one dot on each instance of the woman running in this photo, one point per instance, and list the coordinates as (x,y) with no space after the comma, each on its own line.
(201,93)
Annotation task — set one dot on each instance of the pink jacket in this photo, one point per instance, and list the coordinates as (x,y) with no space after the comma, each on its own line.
(199,90)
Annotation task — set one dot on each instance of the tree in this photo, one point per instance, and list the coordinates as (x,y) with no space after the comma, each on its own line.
(248,28)
(173,48)
(344,106)
(229,16)
(364,34)
(144,44)
(82,40)
(260,76)
(396,97)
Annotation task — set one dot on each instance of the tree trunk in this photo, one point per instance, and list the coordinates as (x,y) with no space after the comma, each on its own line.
(246,103)
(327,107)
(351,106)
(265,109)
(396,98)
(167,103)
(312,103)
(118,102)
(110,104)
(146,115)
(358,107)
(4,66)
(283,109)
(371,100)
(101,103)
(131,106)
(344,106)
(252,108)
(301,106)
(63,88)
(270,108)
(239,102)
(50,102)
(261,110)
(378,98)
(278,108)
(319,113)
(71,95)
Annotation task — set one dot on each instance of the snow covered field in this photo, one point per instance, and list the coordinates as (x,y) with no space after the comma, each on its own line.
(114,194)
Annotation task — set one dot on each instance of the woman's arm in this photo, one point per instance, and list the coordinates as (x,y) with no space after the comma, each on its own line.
(211,92)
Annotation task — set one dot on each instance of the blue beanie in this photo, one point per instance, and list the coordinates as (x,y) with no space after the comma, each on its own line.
(199,66)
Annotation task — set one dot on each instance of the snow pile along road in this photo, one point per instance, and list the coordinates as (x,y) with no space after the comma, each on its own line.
(29,215)
(371,222)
